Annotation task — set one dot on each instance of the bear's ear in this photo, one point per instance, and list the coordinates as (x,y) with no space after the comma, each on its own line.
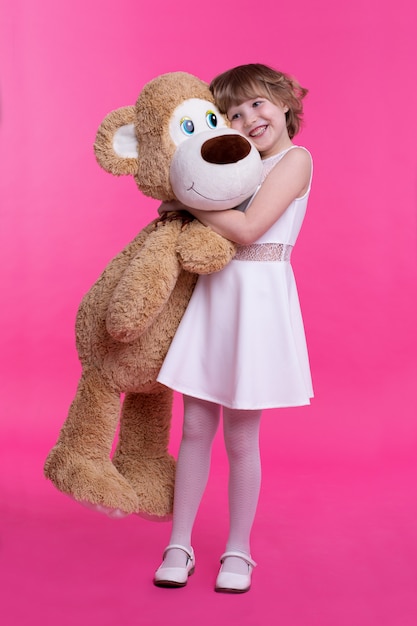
(116,145)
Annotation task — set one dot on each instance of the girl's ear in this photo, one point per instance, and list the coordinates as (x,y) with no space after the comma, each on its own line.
(116,145)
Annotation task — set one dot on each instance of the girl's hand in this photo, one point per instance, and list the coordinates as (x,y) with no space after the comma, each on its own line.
(173,205)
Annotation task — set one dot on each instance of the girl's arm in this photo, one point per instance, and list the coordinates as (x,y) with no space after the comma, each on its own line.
(288,180)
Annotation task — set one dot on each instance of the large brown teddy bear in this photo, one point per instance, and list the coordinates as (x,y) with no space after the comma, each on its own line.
(178,148)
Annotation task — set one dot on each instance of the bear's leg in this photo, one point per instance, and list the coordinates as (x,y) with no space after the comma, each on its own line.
(142,452)
(79,464)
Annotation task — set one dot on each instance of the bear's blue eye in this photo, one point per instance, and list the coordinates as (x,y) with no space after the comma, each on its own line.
(187,126)
(211,119)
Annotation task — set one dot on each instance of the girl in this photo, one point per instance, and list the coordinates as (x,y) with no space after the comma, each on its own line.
(241,344)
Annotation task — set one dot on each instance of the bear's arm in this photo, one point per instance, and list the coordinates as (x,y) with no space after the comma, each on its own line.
(202,251)
(145,285)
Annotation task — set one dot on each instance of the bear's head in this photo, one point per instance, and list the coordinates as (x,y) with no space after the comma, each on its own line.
(178,146)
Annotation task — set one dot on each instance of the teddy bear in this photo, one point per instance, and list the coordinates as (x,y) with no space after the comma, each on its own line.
(180,150)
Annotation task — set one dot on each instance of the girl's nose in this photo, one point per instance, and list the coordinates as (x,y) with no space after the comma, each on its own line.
(249,119)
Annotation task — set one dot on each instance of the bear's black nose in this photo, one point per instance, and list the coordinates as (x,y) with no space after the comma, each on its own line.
(225,149)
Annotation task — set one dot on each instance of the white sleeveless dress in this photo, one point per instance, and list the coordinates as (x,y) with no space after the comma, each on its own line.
(241,342)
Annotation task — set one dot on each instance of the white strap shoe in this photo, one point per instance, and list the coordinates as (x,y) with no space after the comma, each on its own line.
(228,582)
(175,576)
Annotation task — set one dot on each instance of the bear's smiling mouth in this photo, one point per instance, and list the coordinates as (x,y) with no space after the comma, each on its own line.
(192,188)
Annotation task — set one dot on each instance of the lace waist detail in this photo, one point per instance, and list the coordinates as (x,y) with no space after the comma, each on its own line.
(264,252)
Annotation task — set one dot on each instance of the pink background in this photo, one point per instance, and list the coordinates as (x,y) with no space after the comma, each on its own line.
(335,536)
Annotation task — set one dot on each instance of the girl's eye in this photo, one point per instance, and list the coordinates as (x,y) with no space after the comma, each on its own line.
(211,119)
(257,103)
(187,126)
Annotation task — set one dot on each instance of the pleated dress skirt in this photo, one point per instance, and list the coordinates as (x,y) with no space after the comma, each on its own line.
(241,342)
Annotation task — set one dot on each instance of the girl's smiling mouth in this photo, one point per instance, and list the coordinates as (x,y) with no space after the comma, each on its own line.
(257,132)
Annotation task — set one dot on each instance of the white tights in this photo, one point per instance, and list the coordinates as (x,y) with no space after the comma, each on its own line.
(241,436)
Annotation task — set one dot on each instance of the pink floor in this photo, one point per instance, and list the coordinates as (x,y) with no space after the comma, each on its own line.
(335,536)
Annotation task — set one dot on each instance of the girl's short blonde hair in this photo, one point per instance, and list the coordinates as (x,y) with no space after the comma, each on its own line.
(246,82)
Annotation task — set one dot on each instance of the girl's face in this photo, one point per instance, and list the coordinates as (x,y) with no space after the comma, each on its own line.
(263,122)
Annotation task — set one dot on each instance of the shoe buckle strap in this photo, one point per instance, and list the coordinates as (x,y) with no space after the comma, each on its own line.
(240,555)
(177,546)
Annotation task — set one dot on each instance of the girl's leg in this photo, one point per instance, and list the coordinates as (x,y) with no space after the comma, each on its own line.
(201,420)
(241,435)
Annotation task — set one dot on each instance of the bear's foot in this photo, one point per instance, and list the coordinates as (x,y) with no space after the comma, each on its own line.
(96,483)
(153,481)
(105,510)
